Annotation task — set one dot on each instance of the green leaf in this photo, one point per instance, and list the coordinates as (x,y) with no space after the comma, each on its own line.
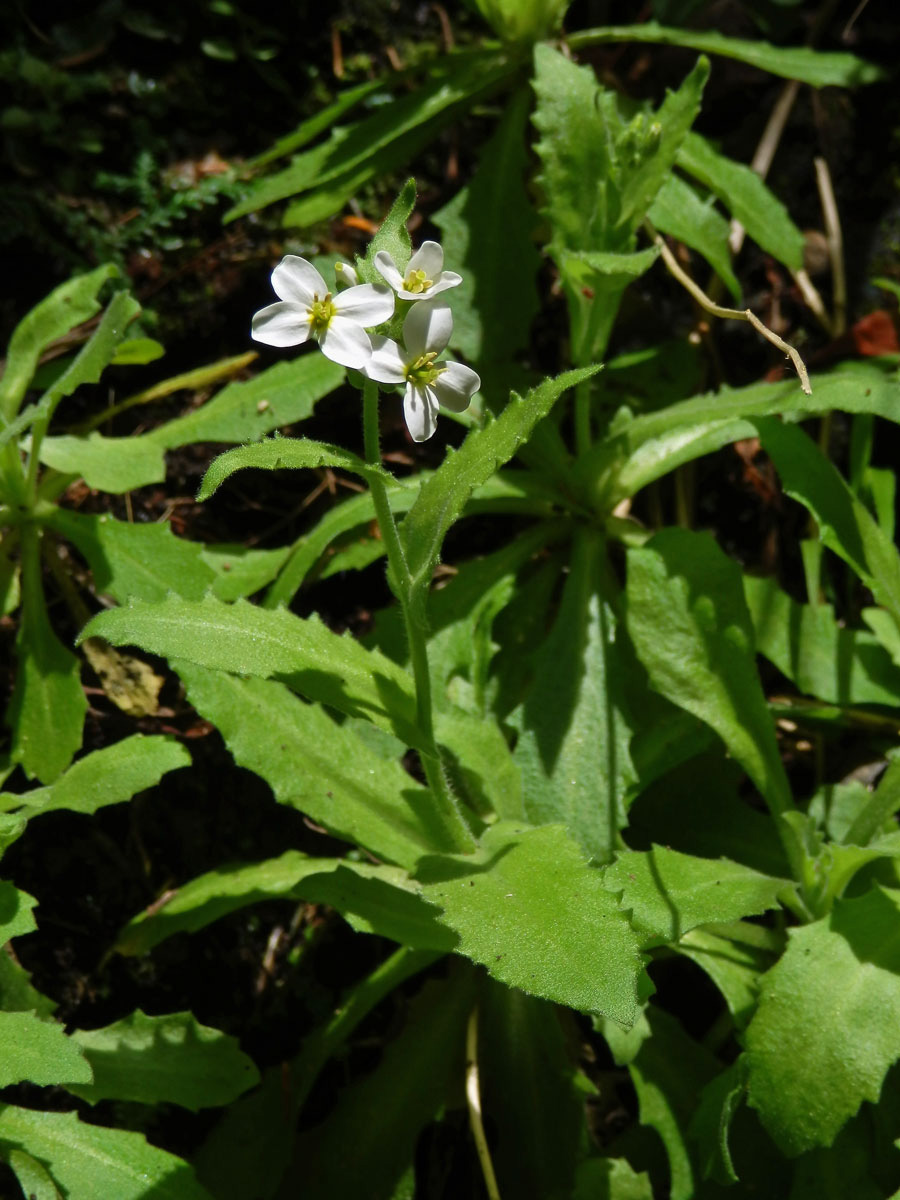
(668,893)
(578,123)
(108,776)
(137,352)
(611,1179)
(531,1093)
(246,640)
(109,464)
(734,956)
(392,236)
(444,495)
(38,1051)
(845,525)
(828,1024)
(70,304)
(16,991)
(130,560)
(527,906)
(763,216)
(90,1160)
(480,761)
(316,765)
(488,235)
(34,1179)
(673,119)
(241,570)
(573,744)
(679,211)
(823,658)
(170,1059)
(455,82)
(818,67)
(281,453)
(711,1123)
(368,1142)
(16,916)
(325,119)
(248,410)
(46,713)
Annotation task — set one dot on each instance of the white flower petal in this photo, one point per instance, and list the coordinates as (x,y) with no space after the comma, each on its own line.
(386,364)
(345,275)
(367,304)
(420,412)
(298,280)
(427,328)
(385,266)
(280,324)
(447,279)
(428,258)
(456,385)
(346,343)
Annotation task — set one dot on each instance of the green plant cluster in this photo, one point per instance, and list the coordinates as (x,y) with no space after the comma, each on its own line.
(556,773)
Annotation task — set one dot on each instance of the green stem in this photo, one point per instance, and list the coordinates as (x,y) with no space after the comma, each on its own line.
(582,416)
(400,579)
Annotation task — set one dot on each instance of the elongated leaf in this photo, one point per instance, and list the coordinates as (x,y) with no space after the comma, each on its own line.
(241,570)
(316,765)
(458,80)
(845,525)
(388,1107)
(246,640)
(691,629)
(34,1179)
(321,121)
(444,495)
(280,453)
(528,907)
(95,356)
(488,230)
(246,411)
(110,464)
(155,1060)
(392,236)
(828,1024)
(129,560)
(532,1094)
(15,912)
(68,305)
(679,211)
(711,1123)
(90,1160)
(669,893)
(654,444)
(46,713)
(674,118)
(38,1051)
(824,659)
(611,1179)
(820,68)
(763,216)
(735,957)
(108,776)
(573,744)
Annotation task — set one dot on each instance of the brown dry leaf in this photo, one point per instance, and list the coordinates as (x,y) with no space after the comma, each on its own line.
(131,684)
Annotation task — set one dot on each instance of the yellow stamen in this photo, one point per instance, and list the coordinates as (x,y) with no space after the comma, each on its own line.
(320,313)
(417,282)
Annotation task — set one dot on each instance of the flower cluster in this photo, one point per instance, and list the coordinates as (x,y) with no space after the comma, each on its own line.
(340,322)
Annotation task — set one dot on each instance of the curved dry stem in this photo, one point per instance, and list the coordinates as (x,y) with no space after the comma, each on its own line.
(473,1098)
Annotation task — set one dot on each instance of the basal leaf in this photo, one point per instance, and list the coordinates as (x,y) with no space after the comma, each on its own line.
(573,744)
(824,659)
(38,1051)
(34,1179)
(109,464)
(130,560)
(763,216)
(679,211)
(69,305)
(239,571)
(735,957)
(46,713)
(691,629)
(443,496)
(245,640)
(817,67)
(527,906)
(91,1160)
(668,893)
(108,776)
(845,525)
(170,1059)
(316,765)
(828,1024)
(488,236)
(281,453)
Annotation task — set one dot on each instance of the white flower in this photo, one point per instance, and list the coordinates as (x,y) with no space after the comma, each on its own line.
(306,308)
(429,383)
(345,275)
(424,277)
